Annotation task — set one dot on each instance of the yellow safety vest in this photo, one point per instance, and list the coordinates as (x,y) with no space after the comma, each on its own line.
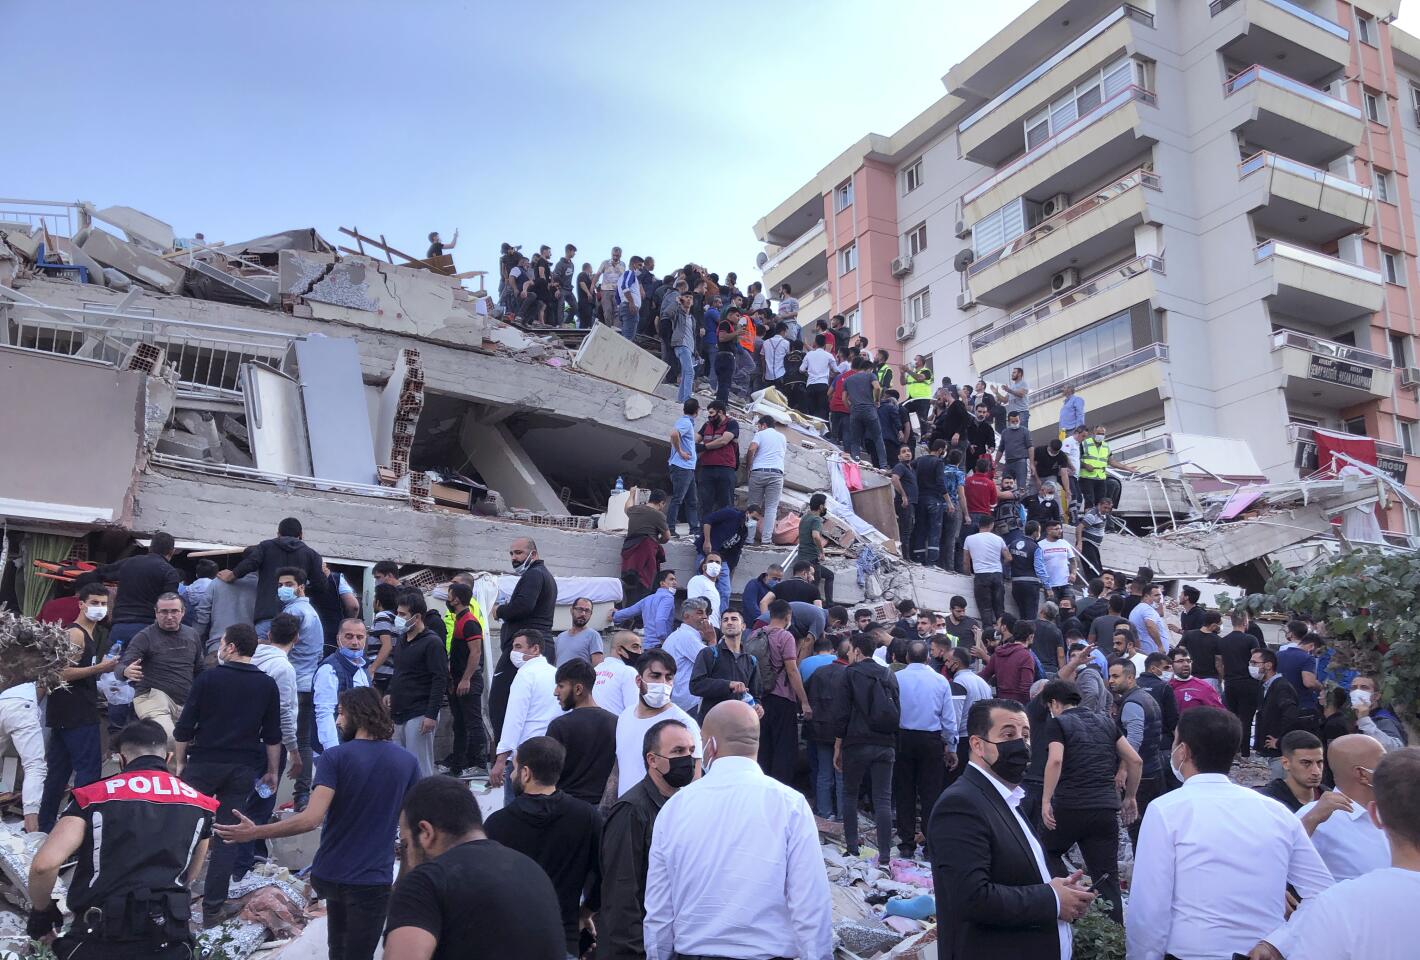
(1094,458)
(919,389)
(450,619)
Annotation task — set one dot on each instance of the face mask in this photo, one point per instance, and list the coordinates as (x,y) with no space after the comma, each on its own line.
(1360,698)
(401,625)
(1254,671)
(1174,767)
(95,612)
(681,772)
(708,755)
(1167,676)
(354,656)
(1012,758)
(712,570)
(772,581)
(285,594)
(657,695)
(523,567)
(518,658)
(1099,438)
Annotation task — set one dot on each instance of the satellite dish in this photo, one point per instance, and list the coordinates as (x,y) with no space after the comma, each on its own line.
(964,259)
(761,260)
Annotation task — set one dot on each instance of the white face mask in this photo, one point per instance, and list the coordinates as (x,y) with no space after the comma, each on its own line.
(401,624)
(712,570)
(1167,676)
(1360,698)
(657,695)
(1254,671)
(96,612)
(518,658)
(1174,767)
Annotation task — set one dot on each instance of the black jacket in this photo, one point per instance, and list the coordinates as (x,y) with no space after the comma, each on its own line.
(625,855)
(825,688)
(990,898)
(1168,706)
(715,669)
(851,714)
(421,674)
(563,835)
(532,604)
(141,580)
(271,555)
(1097,607)
(1278,715)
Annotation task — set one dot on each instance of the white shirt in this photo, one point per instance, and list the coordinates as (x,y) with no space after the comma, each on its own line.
(1013,799)
(1143,614)
(629,288)
(769,454)
(926,698)
(631,736)
(325,694)
(685,644)
(1071,446)
(702,587)
(985,550)
(532,704)
(748,885)
(818,364)
(615,689)
(1211,869)
(1372,917)
(1056,555)
(776,348)
(1349,843)
(20,691)
(976,689)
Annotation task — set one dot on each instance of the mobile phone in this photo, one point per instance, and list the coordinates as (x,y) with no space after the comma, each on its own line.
(1095,882)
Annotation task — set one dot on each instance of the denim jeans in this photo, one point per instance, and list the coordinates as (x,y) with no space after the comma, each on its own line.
(864,427)
(630,320)
(928,529)
(717,488)
(258,809)
(683,493)
(230,784)
(1020,470)
(355,917)
(828,782)
(72,751)
(687,373)
(951,540)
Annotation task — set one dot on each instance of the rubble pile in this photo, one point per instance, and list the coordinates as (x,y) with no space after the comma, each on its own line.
(878,912)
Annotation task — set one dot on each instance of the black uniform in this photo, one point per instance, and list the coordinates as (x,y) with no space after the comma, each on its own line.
(127,895)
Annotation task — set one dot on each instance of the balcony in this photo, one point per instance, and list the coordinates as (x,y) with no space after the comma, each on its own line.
(802,264)
(1121,389)
(1390,457)
(1269,31)
(1101,296)
(1084,232)
(994,132)
(1297,200)
(1325,372)
(1314,286)
(1285,115)
(816,304)
(1106,137)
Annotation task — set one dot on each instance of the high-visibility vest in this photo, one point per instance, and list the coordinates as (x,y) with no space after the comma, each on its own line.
(450,619)
(1094,457)
(919,384)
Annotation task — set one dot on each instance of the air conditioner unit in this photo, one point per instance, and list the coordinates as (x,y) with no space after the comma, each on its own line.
(905,331)
(901,266)
(1064,280)
(1410,376)
(965,301)
(1054,205)
(961,230)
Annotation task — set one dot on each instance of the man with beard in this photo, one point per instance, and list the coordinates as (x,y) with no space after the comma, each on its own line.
(586,731)
(655,678)
(358,789)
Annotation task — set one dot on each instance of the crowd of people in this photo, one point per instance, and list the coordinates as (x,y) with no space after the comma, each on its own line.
(661,782)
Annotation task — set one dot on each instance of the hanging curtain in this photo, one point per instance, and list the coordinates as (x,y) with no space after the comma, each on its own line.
(41,546)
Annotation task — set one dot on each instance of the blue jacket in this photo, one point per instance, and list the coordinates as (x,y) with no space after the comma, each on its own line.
(310,642)
(751,596)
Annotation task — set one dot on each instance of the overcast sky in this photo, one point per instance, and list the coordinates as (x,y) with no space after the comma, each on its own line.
(667,128)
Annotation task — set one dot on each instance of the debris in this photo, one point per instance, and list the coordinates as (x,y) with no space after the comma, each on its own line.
(638,405)
(134,261)
(865,939)
(606,354)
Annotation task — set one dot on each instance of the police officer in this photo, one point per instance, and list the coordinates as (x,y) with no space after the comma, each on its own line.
(140,837)
(1095,457)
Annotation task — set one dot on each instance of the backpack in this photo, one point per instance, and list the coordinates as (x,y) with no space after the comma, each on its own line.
(884,714)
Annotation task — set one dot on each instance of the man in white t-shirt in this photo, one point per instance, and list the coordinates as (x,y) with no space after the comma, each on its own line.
(1057,560)
(20,727)
(766,474)
(987,556)
(1070,446)
(615,687)
(653,704)
(818,366)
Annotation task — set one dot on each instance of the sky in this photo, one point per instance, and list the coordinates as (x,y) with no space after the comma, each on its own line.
(665,128)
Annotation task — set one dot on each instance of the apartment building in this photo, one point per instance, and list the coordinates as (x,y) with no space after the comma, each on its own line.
(1198,213)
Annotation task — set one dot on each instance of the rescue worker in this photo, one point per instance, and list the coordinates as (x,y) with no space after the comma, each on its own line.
(918,381)
(139,838)
(1095,458)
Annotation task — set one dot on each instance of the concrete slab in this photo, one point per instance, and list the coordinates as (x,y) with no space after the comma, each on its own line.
(137,225)
(610,356)
(506,467)
(17,235)
(133,261)
(79,258)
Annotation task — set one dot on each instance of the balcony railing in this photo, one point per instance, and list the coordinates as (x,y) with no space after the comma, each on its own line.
(1100,283)
(1306,433)
(1154,351)
(1259,74)
(1145,448)
(1266,159)
(1330,348)
(1290,251)
(1301,13)
(804,239)
(1066,133)
(1131,180)
(1128,10)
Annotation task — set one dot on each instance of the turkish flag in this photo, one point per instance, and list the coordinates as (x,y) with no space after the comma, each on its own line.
(1328,444)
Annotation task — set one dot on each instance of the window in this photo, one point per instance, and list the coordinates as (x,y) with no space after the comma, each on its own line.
(1393,267)
(1356,426)
(1407,433)
(853,320)
(1080,100)
(1366,29)
(1375,106)
(843,196)
(919,306)
(999,227)
(912,177)
(1412,521)
(1074,355)
(1400,350)
(917,239)
(1415,100)
(1385,186)
(848,259)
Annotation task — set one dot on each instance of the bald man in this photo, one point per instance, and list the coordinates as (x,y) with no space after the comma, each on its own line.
(735,867)
(531,604)
(1339,825)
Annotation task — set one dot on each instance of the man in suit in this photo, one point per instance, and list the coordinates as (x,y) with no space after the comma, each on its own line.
(995,897)
(1278,714)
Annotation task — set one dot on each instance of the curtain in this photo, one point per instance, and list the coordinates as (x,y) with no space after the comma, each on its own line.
(41,546)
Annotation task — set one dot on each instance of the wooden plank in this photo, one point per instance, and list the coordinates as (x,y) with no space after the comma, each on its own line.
(387,249)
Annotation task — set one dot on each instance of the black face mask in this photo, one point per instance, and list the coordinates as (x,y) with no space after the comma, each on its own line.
(1012,758)
(681,772)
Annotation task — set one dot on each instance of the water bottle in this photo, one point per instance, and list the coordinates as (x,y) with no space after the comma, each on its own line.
(620,487)
(262,790)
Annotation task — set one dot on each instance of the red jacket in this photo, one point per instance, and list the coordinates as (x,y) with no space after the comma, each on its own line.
(1013,668)
(837,402)
(980,493)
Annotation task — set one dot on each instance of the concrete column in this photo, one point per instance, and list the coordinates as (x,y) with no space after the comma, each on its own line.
(506,467)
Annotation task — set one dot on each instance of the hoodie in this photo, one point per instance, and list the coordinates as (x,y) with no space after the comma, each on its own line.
(310,642)
(271,555)
(563,834)
(1013,668)
(274,662)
